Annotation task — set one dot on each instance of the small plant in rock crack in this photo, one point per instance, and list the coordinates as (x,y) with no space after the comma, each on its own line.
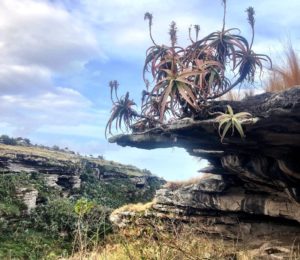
(230,120)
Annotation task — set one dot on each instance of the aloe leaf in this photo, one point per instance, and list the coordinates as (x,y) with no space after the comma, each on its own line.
(229,109)
(226,128)
(222,123)
(243,115)
(165,98)
(239,127)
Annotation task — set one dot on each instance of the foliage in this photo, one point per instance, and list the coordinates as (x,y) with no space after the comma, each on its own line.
(91,225)
(185,79)
(83,207)
(56,217)
(116,193)
(50,230)
(122,110)
(31,244)
(230,120)
(5,139)
(285,74)
(10,205)
(50,227)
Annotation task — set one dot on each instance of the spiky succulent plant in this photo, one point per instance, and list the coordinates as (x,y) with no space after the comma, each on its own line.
(183,80)
(232,121)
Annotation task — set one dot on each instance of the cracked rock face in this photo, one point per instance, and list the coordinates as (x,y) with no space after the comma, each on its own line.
(253,186)
(28,196)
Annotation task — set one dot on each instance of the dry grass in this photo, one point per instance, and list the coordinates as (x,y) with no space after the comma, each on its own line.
(36,151)
(138,207)
(161,238)
(156,242)
(174,185)
(286,74)
(8,150)
(237,95)
(152,242)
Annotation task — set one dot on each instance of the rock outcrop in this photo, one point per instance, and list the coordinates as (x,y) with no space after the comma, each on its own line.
(252,186)
(28,196)
(66,173)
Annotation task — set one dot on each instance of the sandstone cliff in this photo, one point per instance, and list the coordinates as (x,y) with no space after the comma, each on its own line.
(72,175)
(252,186)
(39,192)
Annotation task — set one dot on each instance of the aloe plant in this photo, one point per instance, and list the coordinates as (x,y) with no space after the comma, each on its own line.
(185,80)
(230,120)
(122,112)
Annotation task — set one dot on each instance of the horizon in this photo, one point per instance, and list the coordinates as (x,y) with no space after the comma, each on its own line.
(57,57)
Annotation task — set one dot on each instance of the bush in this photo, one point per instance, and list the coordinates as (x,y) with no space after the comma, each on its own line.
(59,218)
(5,139)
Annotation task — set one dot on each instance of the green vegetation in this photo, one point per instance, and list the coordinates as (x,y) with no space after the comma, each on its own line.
(118,192)
(185,79)
(20,239)
(50,228)
(62,213)
(147,236)
(230,120)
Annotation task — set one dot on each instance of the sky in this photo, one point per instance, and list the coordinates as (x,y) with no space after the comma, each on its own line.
(57,57)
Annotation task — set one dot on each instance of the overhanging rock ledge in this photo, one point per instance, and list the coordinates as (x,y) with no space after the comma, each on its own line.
(252,186)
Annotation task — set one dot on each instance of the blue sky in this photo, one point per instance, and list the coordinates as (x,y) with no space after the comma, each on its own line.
(57,57)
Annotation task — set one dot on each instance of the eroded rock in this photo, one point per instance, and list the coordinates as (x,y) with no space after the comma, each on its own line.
(254,186)
(28,196)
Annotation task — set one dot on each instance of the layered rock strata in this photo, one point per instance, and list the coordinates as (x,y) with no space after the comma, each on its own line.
(252,186)
(65,172)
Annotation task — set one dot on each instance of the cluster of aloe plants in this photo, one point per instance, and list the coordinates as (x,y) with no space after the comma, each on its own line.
(184,80)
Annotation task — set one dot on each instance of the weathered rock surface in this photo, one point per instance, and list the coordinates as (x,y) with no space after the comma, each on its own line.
(28,196)
(253,189)
(65,172)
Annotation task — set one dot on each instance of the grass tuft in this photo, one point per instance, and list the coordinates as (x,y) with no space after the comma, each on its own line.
(286,74)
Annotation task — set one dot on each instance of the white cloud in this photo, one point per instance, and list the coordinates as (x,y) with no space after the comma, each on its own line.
(28,80)
(38,42)
(60,107)
(39,34)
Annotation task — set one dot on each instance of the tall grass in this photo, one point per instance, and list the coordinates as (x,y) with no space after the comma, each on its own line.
(154,239)
(155,242)
(285,74)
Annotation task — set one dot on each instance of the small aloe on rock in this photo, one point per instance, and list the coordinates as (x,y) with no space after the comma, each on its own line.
(230,120)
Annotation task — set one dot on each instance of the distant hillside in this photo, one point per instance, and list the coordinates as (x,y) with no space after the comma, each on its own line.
(39,188)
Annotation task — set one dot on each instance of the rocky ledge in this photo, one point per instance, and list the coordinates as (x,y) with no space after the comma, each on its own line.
(69,174)
(252,186)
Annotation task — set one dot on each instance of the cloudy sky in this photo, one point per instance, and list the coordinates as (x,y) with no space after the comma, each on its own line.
(57,57)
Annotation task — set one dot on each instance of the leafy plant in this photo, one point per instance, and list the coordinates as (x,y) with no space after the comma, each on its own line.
(83,207)
(122,110)
(230,120)
(184,80)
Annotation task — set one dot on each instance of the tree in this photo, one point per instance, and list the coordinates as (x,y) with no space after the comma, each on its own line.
(5,139)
